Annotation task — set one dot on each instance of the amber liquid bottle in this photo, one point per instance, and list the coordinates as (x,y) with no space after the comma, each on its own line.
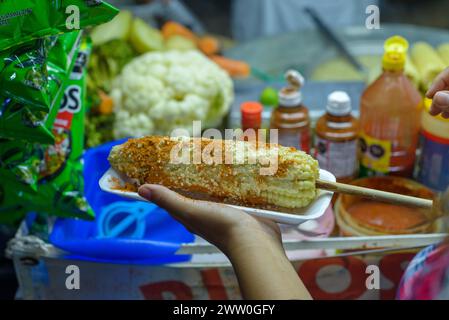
(390,112)
(336,139)
(291,118)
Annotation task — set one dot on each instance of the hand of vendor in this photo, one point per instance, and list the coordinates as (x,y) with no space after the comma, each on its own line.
(439,92)
(254,246)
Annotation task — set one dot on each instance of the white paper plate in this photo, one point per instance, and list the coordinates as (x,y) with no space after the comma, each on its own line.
(316,209)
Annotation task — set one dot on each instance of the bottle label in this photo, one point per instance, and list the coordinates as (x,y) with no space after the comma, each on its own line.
(375,155)
(434,162)
(300,141)
(340,158)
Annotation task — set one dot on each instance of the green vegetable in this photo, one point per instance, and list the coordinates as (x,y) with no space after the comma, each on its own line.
(145,38)
(106,63)
(269,97)
(117,28)
(25,20)
(180,43)
(99,129)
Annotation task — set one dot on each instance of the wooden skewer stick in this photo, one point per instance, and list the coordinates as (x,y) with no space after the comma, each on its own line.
(374,194)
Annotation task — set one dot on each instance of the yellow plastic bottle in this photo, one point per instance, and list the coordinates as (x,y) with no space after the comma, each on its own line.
(390,114)
(434,161)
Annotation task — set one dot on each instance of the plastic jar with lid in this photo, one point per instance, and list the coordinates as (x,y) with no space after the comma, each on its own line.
(433,166)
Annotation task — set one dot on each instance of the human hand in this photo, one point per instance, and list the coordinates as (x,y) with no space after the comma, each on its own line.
(439,92)
(253,245)
(225,227)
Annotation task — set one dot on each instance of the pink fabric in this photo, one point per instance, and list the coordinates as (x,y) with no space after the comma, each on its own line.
(427,276)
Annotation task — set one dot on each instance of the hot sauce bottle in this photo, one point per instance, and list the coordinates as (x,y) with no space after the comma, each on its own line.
(390,112)
(336,140)
(291,117)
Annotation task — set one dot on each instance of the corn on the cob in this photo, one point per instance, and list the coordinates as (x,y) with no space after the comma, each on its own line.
(150,160)
(427,62)
(443,51)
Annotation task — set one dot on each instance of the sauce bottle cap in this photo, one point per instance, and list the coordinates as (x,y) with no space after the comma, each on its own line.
(395,53)
(290,96)
(294,79)
(251,114)
(338,103)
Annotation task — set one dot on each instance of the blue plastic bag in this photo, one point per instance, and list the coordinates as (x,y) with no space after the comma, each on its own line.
(124,231)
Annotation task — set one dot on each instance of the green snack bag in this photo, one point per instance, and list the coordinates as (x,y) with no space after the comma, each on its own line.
(64,49)
(12,209)
(25,20)
(61,60)
(23,121)
(60,175)
(61,183)
(19,171)
(20,161)
(28,112)
(23,73)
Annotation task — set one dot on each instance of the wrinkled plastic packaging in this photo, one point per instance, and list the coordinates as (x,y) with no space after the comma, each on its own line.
(25,20)
(36,37)
(21,161)
(31,87)
(60,185)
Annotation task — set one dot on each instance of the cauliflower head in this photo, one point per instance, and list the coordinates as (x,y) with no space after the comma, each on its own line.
(162,91)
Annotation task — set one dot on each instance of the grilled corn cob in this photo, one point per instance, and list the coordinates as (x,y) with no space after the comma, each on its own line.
(150,160)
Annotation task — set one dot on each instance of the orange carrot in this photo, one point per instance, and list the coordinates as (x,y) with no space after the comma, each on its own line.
(209,45)
(235,68)
(172,28)
(106,103)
